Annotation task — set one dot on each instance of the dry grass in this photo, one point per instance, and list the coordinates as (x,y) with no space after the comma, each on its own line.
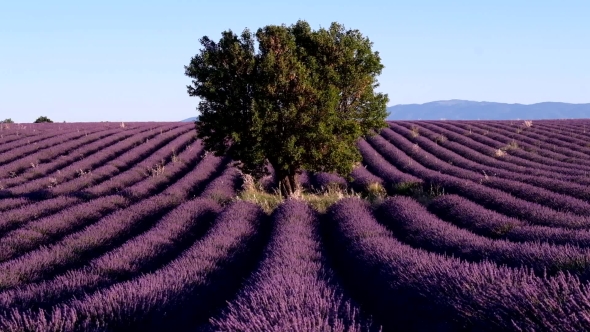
(440,139)
(499,153)
(512,145)
(80,173)
(320,201)
(524,125)
(425,194)
(155,171)
(175,157)
(415,131)
(52,182)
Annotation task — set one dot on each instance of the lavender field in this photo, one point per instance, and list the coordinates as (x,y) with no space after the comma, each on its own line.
(135,227)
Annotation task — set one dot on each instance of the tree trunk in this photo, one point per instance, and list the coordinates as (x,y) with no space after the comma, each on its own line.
(288,183)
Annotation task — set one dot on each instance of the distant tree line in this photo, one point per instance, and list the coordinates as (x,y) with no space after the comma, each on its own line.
(42,119)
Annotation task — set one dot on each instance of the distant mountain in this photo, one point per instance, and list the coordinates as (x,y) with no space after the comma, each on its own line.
(472,110)
(193,119)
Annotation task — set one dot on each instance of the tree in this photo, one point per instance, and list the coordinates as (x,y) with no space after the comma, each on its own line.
(300,102)
(7,121)
(42,119)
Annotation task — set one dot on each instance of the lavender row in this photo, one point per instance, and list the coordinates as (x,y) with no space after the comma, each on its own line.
(8,135)
(180,190)
(324,180)
(532,153)
(87,164)
(477,219)
(144,253)
(31,150)
(483,154)
(123,154)
(12,203)
(164,177)
(419,290)
(128,168)
(529,141)
(516,188)
(383,169)
(14,139)
(363,179)
(196,180)
(21,141)
(528,148)
(268,181)
(292,290)
(14,218)
(304,179)
(528,189)
(63,155)
(49,229)
(490,198)
(576,131)
(462,145)
(581,127)
(546,138)
(87,150)
(446,164)
(575,146)
(414,225)
(17,136)
(179,295)
(89,242)
(224,187)
(19,217)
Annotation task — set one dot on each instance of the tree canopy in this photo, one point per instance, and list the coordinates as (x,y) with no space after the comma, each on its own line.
(9,120)
(300,102)
(42,119)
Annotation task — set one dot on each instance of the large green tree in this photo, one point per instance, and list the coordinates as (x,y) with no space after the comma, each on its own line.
(301,101)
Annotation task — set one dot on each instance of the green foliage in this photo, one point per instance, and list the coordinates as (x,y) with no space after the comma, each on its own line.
(300,102)
(7,121)
(42,119)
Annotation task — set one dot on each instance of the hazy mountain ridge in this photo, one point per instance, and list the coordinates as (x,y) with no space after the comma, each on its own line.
(456,109)
(472,110)
(193,119)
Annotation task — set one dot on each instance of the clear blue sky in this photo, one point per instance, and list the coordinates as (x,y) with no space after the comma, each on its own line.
(123,60)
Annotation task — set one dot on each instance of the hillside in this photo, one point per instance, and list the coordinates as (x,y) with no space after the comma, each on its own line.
(136,227)
(471,110)
(193,119)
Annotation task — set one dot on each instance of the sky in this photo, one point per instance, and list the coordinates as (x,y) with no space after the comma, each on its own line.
(87,61)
